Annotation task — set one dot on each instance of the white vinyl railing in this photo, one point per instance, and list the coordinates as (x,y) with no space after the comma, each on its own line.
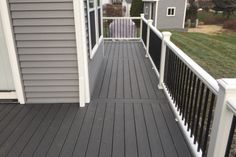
(203,106)
(216,106)
(122,28)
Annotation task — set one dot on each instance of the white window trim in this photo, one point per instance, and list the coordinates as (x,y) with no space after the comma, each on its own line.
(9,37)
(99,39)
(168,10)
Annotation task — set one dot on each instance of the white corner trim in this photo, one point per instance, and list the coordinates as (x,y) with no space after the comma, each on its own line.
(170,8)
(185,8)
(9,37)
(156,13)
(8,95)
(82,57)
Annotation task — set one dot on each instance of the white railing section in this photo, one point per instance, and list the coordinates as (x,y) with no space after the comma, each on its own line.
(224,90)
(122,28)
(199,71)
(146,45)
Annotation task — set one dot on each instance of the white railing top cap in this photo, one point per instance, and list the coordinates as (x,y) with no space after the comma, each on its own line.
(231,104)
(228,83)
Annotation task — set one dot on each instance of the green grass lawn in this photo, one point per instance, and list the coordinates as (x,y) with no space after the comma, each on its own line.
(215,53)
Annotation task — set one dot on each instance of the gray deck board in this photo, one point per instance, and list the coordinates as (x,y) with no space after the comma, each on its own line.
(35,140)
(128,116)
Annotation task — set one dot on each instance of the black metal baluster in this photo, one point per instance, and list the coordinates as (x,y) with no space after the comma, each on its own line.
(185,94)
(176,79)
(170,72)
(203,119)
(231,137)
(195,107)
(172,75)
(208,124)
(167,61)
(199,112)
(182,88)
(180,74)
(188,97)
(191,101)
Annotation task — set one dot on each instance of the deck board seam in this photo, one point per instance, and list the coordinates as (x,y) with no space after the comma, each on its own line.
(35,130)
(104,116)
(113,130)
(54,136)
(13,130)
(68,133)
(79,131)
(46,131)
(24,129)
(157,129)
(91,129)
(144,118)
(140,65)
(169,130)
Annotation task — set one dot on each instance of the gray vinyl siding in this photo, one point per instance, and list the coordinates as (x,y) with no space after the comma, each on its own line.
(45,39)
(171,22)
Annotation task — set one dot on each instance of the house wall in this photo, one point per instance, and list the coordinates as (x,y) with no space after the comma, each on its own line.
(6,79)
(168,22)
(45,40)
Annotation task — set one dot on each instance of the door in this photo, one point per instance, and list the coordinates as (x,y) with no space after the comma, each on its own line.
(6,79)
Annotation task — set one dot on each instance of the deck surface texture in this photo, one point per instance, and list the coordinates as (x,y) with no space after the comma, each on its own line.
(127,117)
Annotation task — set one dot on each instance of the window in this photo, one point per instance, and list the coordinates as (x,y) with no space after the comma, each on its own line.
(171,11)
(146,10)
(94,25)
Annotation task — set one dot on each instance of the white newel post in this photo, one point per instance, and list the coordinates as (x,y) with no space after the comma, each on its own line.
(148,36)
(141,25)
(166,37)
(222,118)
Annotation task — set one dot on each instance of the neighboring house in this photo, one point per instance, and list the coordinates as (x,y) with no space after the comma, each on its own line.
(127,6)
(166,14)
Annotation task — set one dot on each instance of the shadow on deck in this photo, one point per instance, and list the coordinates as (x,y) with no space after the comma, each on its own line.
(128,116)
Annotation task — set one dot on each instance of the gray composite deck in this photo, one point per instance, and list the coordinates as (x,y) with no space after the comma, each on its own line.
(127,117)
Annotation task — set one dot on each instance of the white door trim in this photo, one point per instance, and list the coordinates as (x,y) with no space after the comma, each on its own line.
(82,54)
(10,43)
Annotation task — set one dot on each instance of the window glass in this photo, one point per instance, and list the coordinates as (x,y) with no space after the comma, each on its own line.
(171,11)
(91,4)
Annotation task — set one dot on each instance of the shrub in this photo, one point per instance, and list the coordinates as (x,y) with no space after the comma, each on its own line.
(230,24)
(211,20)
